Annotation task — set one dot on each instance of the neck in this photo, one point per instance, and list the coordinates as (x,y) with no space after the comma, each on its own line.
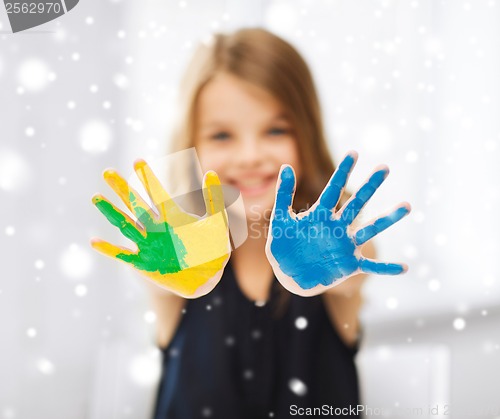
(252,269)
(255,242)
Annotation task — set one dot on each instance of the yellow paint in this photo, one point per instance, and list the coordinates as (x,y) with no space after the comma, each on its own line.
(202,244)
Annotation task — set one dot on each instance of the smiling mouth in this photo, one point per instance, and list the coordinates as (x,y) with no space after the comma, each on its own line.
(255,186)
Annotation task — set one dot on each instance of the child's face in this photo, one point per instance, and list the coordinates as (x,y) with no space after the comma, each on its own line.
(243,134)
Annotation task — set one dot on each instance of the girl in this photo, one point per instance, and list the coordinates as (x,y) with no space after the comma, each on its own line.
(249,348)
(249,105)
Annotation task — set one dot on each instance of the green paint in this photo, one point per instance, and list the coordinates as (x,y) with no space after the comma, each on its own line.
(142,214)
(160,250)
(118,220)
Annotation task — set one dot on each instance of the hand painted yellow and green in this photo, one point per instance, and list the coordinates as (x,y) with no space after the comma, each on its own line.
(181,252)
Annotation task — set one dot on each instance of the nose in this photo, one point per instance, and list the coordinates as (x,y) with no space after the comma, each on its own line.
(249,153)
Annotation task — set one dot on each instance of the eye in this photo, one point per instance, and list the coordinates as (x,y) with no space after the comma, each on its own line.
(221,136)
(276,131)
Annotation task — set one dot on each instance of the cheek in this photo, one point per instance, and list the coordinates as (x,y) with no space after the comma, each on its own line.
(288,153)
(210,159)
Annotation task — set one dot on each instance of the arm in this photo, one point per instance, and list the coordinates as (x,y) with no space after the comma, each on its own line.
(168,309)
(344,302)
(325,256)
(170,243)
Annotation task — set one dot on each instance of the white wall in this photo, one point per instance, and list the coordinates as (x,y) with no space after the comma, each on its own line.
(411,84)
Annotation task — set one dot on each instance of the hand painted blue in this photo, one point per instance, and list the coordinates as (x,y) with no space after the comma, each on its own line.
(318,248)
(379,225)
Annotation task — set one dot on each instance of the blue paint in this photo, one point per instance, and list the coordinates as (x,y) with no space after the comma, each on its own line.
(371,267)
(360,198)
(284,197)
(380,224)
(308,251)
(331,195)
(317,248)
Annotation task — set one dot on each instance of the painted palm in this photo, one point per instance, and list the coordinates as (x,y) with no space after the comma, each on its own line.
(318,249)
(181,252)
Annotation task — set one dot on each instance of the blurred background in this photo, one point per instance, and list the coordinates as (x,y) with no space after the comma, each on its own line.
(412,84)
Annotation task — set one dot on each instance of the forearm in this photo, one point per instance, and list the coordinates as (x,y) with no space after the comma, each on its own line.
(345,300)
(343,304)
(168,309)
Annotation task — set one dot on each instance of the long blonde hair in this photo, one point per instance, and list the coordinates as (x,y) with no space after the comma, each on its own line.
(257,56)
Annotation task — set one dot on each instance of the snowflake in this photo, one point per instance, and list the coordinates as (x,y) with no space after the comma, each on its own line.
(256,334)
(39,264)
(95,136)
(297,386)
(80,290)
(45,366)
(76,262)
(206,412)
(33,75)
(31,332)
(459,323)
(301,323)
(248,374)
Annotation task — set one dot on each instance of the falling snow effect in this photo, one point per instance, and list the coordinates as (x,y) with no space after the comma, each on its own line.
(121,81)
(150,317)
(81,290)
(256,334)
(15,171)
(31,332)
(33,75)
(248,374)
(144,370)
(301,323)
(392,303)
(45,366)
(459,323)
(434,285)
(297,386)
(10,230)
(30,132)
(206,412)
(95,137)
(76,262)
(39,264)
(97,89)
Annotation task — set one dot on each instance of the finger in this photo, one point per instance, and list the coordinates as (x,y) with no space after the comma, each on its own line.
(212,193)
(331,194)
(380,224)
(356,203)
(159,196)
(118,219)
(381,268)
(109,249)
(129,196)
(285,191)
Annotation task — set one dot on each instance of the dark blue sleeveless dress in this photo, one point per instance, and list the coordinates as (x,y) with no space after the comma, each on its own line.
(232,359)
